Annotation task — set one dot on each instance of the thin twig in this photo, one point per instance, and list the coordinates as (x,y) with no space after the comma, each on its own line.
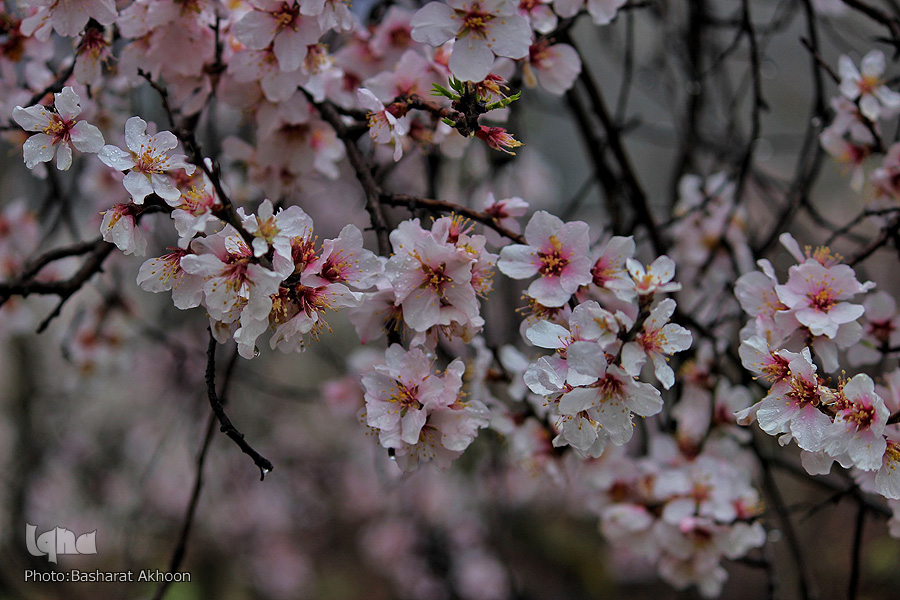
(226,426)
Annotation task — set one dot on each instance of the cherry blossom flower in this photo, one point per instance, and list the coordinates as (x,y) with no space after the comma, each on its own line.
(344,260)
(483,29)
(555,67)
(277,230)
(119,227)
(197,212)
(793,407)
(859,423)
(609,264)
(431,280)
(556,251)
(417,413)
(148,160)
(165,273)
(234,285)
(384,127)
(887,479)
(816,295)
(68,17)
(849,153)
(279,22)
(611,400)
(881,330)
(57,129)
(867,86)
(657,339)
(644,282)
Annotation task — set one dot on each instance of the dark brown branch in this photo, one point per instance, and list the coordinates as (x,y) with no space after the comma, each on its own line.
(363,173)
(188,522)
(65,288)
(185,131)
(226,426)
(446,207)
(187,525)
(856,554)
(637,195)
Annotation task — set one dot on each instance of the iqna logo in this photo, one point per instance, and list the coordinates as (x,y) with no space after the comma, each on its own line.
(59,541)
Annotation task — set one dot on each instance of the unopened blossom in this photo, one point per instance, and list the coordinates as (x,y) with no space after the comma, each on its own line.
(657,339)
(557,252)
(497,138)
(384,127)
(148,162)
(859,423)
(482,29)
(56,130)
(119,227)
(867,85)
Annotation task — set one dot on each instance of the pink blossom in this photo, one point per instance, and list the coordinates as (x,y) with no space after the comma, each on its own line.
(556,251)
(497,138)
(793,406)
(418,414)
(644,282)
(68,17)
(657,339)
(57,129)
(815,294)
(165,273)
(148,162)
(867,85)
(483,29)
(119,227)
(384,127)
(555,67)
(432,281)
(280,23)
(859,423)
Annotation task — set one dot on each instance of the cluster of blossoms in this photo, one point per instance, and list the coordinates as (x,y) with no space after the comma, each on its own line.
(306,81)
(682,512)
(798,327)
(855,133)
(588,385)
